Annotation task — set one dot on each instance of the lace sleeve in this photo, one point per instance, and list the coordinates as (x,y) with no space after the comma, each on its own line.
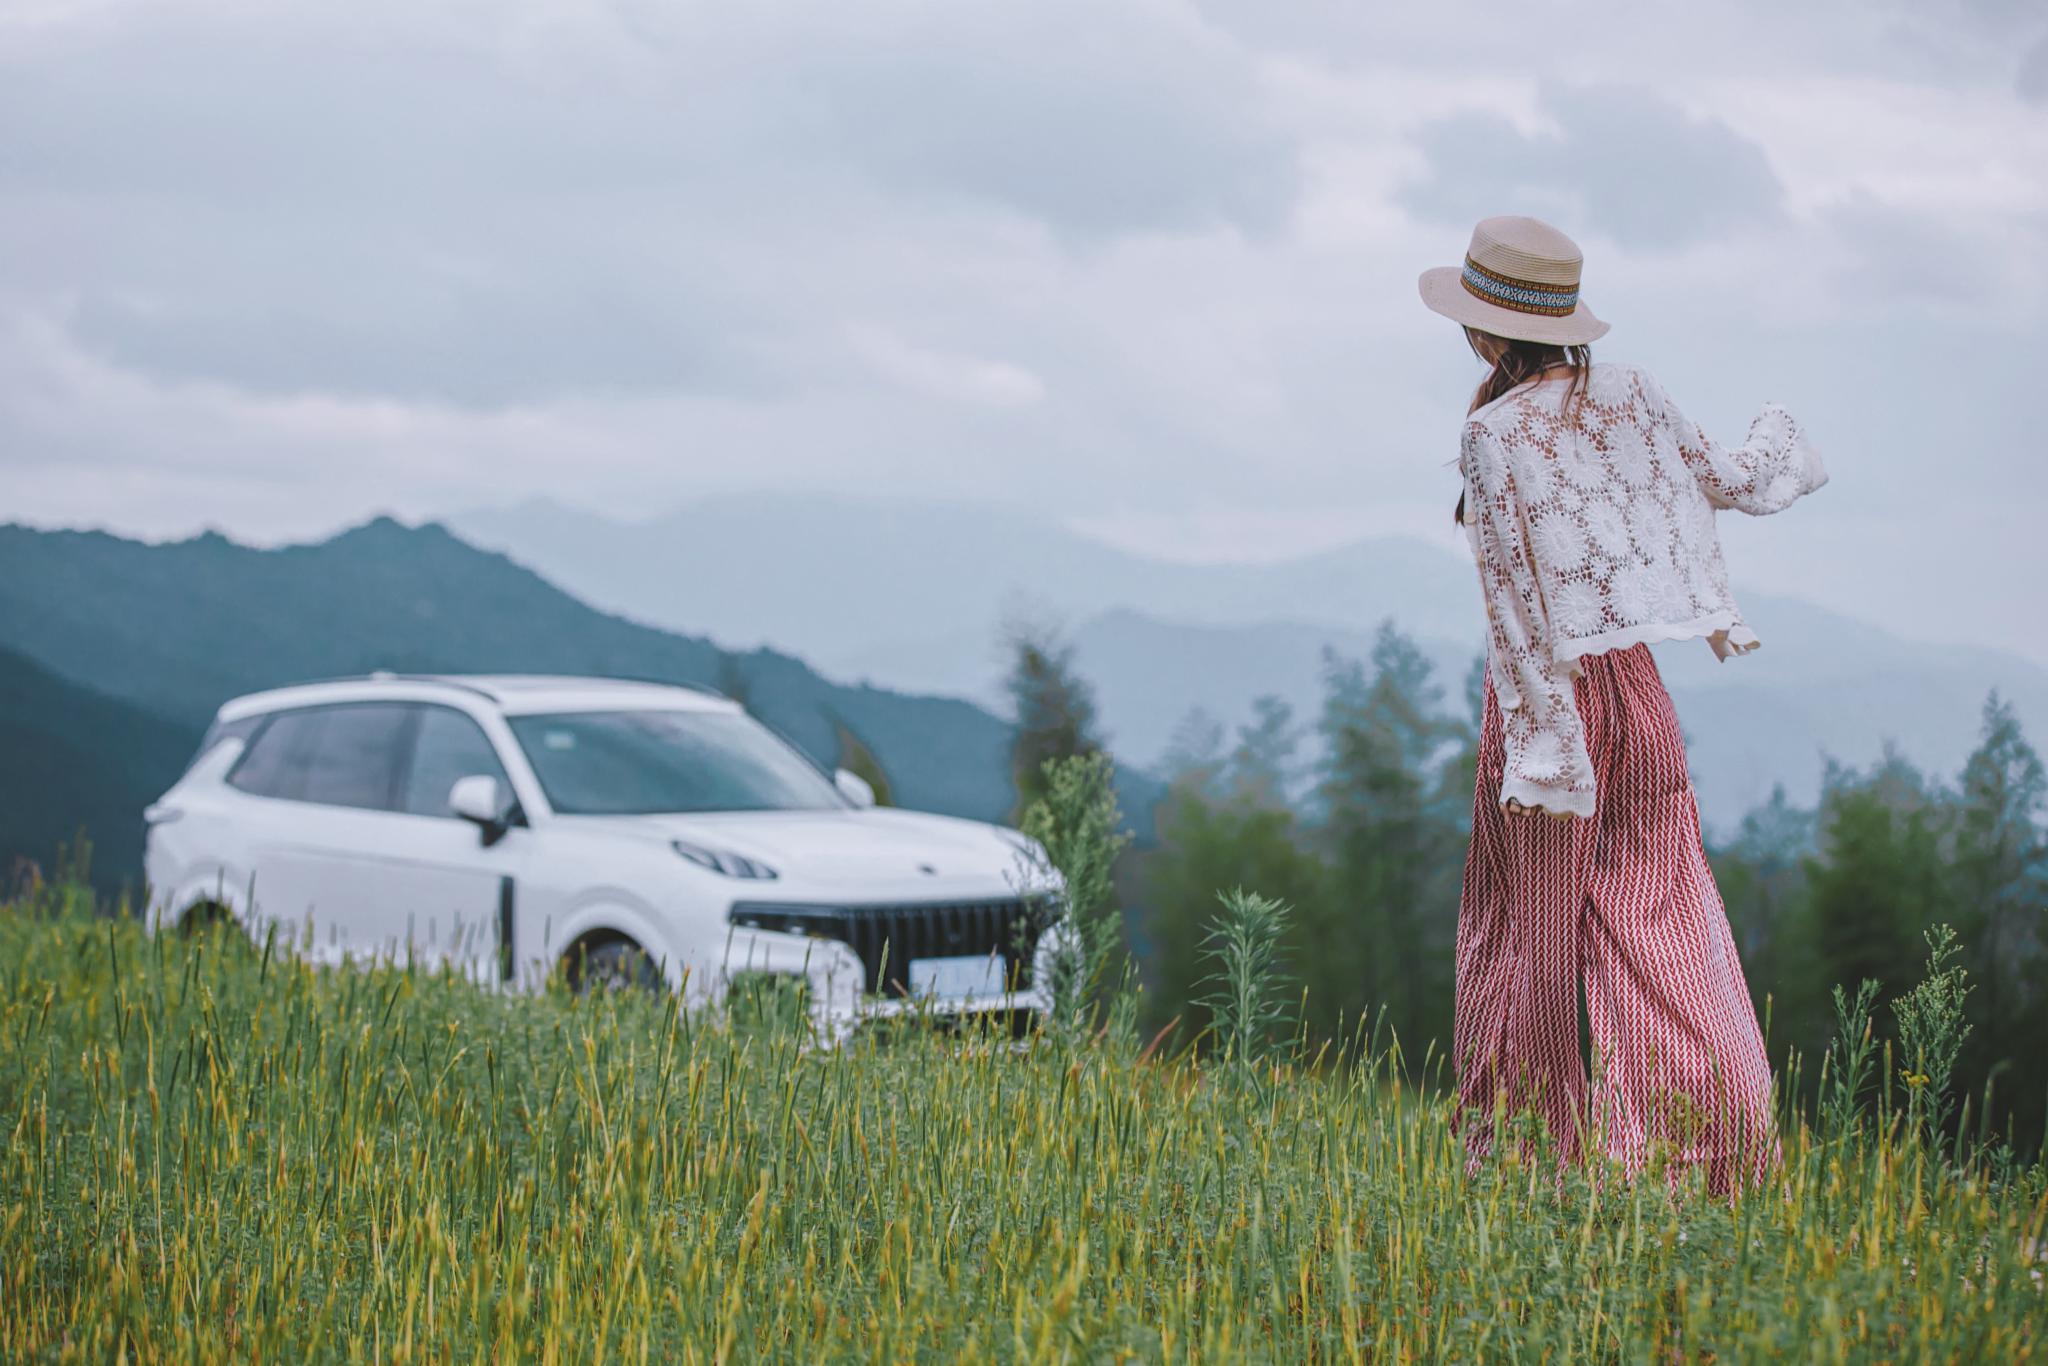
(1547,764)
(1768,472)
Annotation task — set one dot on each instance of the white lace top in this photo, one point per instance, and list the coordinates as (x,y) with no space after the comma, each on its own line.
(1598,534)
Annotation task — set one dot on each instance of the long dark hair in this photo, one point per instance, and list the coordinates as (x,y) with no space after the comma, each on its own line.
(1519,362)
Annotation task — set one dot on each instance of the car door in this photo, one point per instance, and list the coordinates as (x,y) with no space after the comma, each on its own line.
(455,888)
(323,785)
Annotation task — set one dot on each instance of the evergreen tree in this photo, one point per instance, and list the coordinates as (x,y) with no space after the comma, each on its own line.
(1263,767)
(1371,857)
(1764,882)
(1053,706)
(1762,877)
(2000,875)
(1458,778)
(734,680)
(1879,881)
(1383,827)
(1194,752)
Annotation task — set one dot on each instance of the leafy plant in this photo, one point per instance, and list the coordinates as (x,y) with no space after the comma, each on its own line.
(1076,831)
(1931,1034)
(1249,996)
(1850,1066)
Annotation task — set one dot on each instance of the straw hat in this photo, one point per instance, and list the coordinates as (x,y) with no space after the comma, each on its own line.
(1520,279)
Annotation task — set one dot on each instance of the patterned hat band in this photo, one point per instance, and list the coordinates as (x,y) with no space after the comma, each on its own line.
(1523,296)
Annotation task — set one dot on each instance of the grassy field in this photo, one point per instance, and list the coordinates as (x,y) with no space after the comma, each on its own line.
(212,1156)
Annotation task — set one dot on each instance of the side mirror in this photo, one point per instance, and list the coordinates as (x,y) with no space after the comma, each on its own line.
(477,799)
(854,788)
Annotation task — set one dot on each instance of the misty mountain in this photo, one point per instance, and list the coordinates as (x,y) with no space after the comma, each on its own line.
(912,595)
(857,586)
(77,760)
(175,629)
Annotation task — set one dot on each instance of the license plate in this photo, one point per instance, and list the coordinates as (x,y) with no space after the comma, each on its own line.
(974,974)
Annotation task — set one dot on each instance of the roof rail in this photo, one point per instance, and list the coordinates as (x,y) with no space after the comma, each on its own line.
(386,676)
(704,688)
(444,680)
(478,690)
(481,691)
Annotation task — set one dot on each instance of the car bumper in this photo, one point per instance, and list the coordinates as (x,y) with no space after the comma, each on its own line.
(836,978)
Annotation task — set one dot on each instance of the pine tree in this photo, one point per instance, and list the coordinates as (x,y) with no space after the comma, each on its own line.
(734,680)
(1382,822)
(1053,705)
(1766,879)
(1194,752)
(1262,767)
(1762,878)
(1458,775)
(2000,875)
(1879,881)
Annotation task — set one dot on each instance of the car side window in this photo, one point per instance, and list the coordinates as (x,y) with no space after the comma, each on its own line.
(356,754)
(450,745)
(274,764)
(345,755)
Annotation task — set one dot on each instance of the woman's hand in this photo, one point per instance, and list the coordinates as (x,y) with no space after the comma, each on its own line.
(1515,808)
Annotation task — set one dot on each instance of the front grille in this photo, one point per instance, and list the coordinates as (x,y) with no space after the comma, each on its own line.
(886,938)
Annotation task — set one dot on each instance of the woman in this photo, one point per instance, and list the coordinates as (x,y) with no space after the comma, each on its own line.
(1589,501)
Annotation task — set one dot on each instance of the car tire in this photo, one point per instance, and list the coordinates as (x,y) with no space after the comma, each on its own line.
(218,925)
(615,965)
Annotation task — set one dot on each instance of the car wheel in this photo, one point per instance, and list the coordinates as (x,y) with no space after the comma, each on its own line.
(616,965)
(217,926)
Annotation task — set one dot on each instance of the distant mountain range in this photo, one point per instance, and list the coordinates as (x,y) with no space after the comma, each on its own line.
(119,652)
(116,652)
(78,762)
(849,584)
(913,596)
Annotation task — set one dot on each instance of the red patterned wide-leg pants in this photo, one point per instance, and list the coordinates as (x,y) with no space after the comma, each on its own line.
(1624,903)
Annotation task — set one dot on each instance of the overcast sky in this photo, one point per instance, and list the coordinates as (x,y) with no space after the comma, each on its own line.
(1145,265)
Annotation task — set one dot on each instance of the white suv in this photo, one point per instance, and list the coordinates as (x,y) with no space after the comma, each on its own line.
(626,833)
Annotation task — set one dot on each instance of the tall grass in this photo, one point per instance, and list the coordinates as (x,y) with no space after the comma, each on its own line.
(213,1152)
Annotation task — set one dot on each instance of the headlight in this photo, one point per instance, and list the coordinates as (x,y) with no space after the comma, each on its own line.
(724,861)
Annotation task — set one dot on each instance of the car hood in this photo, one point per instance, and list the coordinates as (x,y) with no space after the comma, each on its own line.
(858,846)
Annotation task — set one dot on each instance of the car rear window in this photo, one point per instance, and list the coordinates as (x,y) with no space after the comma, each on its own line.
(346,755)
(272,765)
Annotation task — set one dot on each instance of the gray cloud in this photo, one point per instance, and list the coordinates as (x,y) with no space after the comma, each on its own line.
(1093,119)
(478,347)
(480,309)
(1623,158)
(2031,80)
(1145,262)
(1090,153)
(349,208)
(1892,257)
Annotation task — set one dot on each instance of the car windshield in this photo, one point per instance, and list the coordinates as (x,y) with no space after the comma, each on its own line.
(639,763)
